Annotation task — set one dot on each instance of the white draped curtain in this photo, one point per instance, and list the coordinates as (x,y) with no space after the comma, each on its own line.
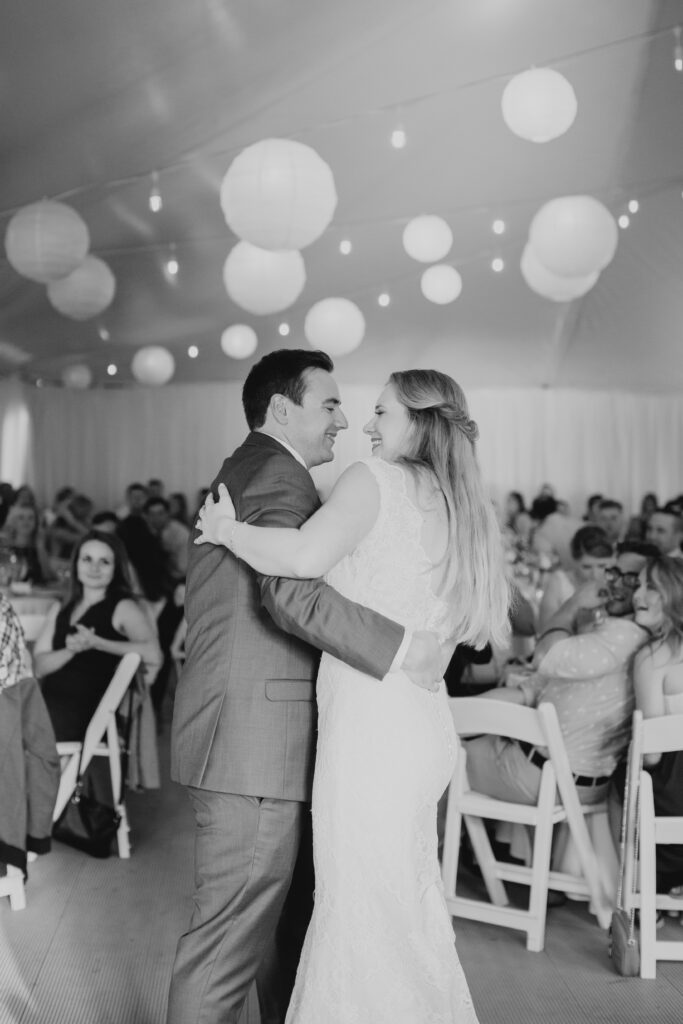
(100,440)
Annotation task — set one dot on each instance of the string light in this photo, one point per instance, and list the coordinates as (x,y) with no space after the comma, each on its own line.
(624,220)
(155,200)
(497,264)
(498,227)
(193,351)
(384,299)
(678,50)
(103,333)
(398,137)
(112,369)
(172,266)
(633,206)
(345,247)
(283,329)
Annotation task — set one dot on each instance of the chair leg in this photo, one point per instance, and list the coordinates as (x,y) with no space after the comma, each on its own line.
(123,833)
(648,906)
(476,830)
(14,887)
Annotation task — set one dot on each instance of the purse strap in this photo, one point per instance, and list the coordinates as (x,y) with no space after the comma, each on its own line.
(78,789)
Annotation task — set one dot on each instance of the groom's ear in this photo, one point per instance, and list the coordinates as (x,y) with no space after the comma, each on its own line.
(278,407)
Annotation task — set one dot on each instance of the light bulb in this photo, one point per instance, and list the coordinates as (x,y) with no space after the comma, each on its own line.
(498,227)
(172,265)
(112,369)
(624,220)
(193,351)
(633,206)
(103,333)
(345,247)
(678,50)
(283,330)
(497,264)
(155,200)
(398,137)
(384,299)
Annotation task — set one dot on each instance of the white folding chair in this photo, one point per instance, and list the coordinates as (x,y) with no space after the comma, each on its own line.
(540,727)
(32,625)
(650,736)
(101,740)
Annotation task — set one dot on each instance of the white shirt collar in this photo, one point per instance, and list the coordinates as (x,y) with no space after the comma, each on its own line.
(292,451)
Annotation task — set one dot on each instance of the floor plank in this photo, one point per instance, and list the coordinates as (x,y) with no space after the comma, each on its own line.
(95,944)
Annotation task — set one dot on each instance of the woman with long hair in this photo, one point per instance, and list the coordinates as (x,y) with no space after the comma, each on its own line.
(82,641)
(412,534)
(591,553)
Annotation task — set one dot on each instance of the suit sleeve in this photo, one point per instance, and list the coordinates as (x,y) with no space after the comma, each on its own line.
(311,609)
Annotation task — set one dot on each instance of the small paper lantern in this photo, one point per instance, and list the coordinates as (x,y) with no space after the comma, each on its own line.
(261,281)
(46,241)
(78,376)
(553,286)
(574,236)
(539,105)
(153,365)
(278,194)
(239,341)
(441,284)
(427,238)
(335,325)
(86,292)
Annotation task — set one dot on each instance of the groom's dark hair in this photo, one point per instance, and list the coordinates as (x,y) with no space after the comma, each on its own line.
(279,373)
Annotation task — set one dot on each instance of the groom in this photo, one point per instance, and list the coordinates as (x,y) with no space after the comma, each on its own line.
(244,722)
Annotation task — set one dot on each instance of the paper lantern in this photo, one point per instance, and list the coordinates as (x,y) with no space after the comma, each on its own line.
(153,365)
(574,236)
(239,341)
(78,376)
(261,281)
(441,284)
(46,241)
(86,292)
(539,105)
(278,194)
(553,286)
(427,238)
(335,325)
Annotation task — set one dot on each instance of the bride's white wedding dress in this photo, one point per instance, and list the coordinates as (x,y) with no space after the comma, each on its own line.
(380,948)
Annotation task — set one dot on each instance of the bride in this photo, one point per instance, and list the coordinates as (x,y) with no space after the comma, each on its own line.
(410,533)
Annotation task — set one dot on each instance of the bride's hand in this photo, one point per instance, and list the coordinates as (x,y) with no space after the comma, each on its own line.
(213,517)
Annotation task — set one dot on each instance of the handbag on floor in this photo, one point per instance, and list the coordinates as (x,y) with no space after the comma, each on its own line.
(623,944)
(86,823)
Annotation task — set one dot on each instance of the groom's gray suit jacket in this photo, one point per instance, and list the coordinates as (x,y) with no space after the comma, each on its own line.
(244,717)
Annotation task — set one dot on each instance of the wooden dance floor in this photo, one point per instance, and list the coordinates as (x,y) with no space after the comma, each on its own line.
(96,942)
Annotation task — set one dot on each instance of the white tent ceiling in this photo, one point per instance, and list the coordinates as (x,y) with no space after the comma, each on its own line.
(96,96)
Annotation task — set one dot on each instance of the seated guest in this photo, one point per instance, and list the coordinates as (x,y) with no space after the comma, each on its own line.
(71,523)
(156,488)
(174,536)
(592,505)
(611,520)
(177,507)
(6,500)
(83,641)
(27,546)
(518,522)
(637,526)
(105,522)
(552,535)
(665,531)
(591,554)
(136,496)
(658,684)
(586,677)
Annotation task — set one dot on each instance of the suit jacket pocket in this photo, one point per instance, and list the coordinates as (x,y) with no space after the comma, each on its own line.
(290,689)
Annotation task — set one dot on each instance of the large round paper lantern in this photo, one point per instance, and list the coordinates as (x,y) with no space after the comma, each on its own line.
(153,365)
(261,281)
(574,236)
(239,341)
(427,238)
(441,284)
(539,105)
(335,325)
(77,376)
(553,286)
(278,194)
(86,292)
(46,241)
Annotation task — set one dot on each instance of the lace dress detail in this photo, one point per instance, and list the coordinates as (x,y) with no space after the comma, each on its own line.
(380,948)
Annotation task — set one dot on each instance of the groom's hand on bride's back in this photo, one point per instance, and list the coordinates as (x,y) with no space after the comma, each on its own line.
(423,661)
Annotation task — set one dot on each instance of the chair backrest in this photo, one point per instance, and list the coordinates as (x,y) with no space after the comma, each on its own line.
(658,735)
(473,715)
(31,626)
(112,697)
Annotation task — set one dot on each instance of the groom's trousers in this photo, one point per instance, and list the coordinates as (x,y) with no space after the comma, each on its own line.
(252,902)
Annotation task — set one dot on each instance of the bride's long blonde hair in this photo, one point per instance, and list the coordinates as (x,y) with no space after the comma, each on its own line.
(442,439)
